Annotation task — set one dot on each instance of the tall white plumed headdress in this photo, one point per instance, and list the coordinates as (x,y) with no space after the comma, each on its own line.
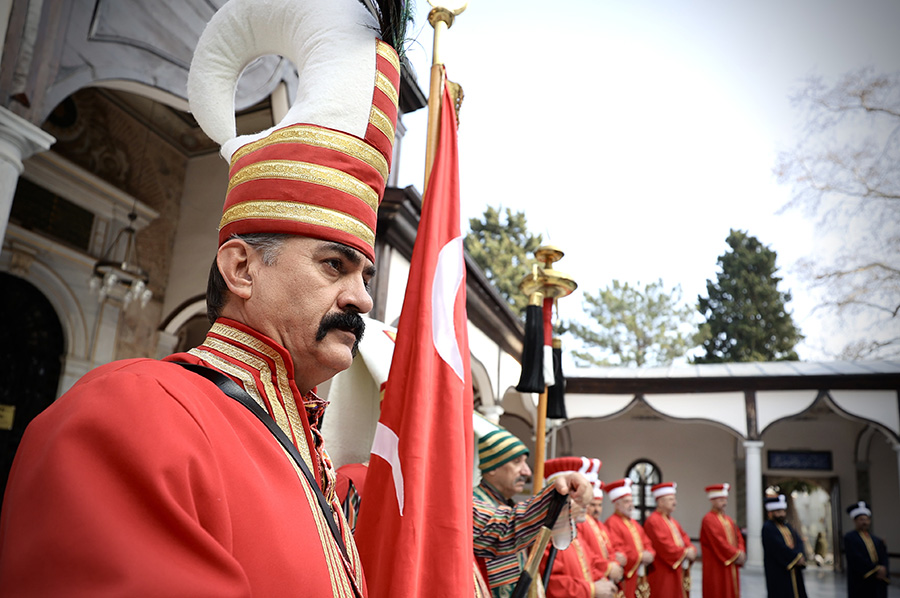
(320,172)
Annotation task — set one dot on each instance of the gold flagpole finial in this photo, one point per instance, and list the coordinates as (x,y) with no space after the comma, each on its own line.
(441,17)
(546,282)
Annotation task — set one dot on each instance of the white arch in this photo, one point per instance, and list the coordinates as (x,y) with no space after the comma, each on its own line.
(776,405)
(68,309)
(179,318)
(876,407)
(482,381)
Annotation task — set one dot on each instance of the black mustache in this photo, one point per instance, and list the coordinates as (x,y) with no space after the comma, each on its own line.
(345,320)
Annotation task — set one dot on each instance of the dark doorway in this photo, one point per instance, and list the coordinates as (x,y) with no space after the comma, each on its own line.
(814,511)
(32,347)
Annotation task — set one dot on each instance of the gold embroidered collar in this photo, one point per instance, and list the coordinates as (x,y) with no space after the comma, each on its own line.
(265,370)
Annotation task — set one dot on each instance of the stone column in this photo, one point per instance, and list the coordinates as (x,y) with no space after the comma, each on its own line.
(753,458)
(19,139)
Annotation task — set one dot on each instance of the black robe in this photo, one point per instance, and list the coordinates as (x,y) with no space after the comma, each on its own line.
(782,552)
(861,569)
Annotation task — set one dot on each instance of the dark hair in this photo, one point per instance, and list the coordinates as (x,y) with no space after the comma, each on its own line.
(268,244)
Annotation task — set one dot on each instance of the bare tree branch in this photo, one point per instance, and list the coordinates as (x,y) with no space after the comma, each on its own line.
(845,171)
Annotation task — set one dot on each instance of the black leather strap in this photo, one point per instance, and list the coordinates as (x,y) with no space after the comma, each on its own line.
(233,390)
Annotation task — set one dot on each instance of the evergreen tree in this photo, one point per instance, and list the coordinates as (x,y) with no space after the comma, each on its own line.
(746,318)
(504,251)
(639,327)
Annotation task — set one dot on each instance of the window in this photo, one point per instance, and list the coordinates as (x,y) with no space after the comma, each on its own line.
(644,475)
(35,208)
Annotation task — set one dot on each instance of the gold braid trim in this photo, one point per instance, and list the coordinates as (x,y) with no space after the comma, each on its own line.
(579,552)
(786,534)
(337,570)
(385,50)
(274,405)
(380,121)
(636,539)
(387,86)
(284,386)
(298,212)
(598,533)
(323,138)
(870,546)
(308,172)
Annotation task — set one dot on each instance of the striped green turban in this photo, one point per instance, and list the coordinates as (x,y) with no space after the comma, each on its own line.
(498,447)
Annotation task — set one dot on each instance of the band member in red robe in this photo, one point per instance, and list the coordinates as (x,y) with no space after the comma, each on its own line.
(209,477)
(630,536)
(579,571)
(596,528)
(593,534)
(674,551)
(722,546)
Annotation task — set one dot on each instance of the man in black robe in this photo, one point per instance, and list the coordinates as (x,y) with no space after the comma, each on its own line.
(867,556)
(784,558)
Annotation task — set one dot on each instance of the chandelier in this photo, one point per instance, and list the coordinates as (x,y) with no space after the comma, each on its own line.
(118,273)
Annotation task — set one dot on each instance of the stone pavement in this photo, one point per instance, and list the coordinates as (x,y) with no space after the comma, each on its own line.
(820,583)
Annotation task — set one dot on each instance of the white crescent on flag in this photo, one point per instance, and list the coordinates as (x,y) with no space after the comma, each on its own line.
(386,445)
(447,277)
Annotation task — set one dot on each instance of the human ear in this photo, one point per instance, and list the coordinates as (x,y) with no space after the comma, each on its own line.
(235,260)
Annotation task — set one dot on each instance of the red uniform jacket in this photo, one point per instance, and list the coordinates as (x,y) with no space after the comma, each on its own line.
(722,543)
(607,544)
(666,575)
(600,560)
(630,536)
(145,480)
(572,575)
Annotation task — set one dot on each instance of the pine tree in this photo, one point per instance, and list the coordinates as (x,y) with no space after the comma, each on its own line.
(636,327)
(746,317)
(504,251)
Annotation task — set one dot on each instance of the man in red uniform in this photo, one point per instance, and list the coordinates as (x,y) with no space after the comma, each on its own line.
(630,536)
(152,479)
(579,571)
(674,551)
(596,528)
(723,547)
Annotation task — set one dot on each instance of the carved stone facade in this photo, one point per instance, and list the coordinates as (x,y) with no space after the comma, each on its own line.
(99,133)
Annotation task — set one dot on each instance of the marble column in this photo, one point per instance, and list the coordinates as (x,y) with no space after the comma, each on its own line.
(753,459)
(19,139)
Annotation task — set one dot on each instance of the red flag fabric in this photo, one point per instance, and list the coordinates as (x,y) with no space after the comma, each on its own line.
(414,532)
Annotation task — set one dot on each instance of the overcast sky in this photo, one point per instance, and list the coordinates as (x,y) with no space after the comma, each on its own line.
(635,134)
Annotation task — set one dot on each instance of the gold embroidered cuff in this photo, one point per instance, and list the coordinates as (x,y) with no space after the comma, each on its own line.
(733,558)
(796,560)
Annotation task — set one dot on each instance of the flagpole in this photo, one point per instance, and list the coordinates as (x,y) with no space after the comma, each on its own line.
(540,442)
(441,18)
(553,284)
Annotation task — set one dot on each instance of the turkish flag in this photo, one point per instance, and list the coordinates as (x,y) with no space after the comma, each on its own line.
(414,532)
